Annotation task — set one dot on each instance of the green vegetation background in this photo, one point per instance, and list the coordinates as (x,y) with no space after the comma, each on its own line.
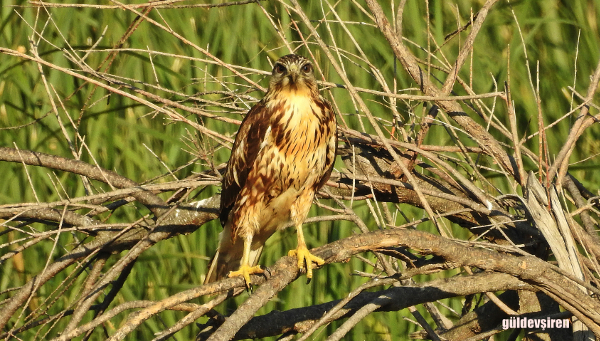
(120,132)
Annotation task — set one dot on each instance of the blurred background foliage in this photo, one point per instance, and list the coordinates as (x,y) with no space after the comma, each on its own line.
(561,37)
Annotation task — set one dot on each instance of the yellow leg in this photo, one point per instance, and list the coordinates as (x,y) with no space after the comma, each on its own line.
(245,269)
(304,256)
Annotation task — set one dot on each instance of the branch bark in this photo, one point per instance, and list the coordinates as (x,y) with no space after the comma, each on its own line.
(397,298)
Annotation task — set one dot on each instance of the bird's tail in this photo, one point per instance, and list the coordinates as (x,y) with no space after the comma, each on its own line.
(228,257)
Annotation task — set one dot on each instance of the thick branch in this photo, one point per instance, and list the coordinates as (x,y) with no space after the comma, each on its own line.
(148,199)
(528,269)
(184,219)
(300,319)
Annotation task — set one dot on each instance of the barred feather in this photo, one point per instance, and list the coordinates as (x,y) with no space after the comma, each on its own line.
(282,155)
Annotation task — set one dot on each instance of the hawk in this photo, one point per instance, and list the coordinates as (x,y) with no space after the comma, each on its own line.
(282,155)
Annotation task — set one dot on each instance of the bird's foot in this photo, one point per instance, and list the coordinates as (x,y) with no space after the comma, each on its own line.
(304,256)
(245,271)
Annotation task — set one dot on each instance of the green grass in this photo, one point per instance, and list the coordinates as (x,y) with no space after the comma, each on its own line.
(117,129)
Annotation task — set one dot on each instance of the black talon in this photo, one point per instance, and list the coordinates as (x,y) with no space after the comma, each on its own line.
(267,270)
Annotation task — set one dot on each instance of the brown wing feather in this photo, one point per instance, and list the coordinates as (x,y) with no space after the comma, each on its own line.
(243,154)
(332,145)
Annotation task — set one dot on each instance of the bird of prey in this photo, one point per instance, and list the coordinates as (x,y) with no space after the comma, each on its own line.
(282,155)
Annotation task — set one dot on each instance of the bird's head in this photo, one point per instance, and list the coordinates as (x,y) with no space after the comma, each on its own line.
(293,73)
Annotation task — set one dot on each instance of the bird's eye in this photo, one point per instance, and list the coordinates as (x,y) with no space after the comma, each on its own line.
(279,69)
(307,68)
